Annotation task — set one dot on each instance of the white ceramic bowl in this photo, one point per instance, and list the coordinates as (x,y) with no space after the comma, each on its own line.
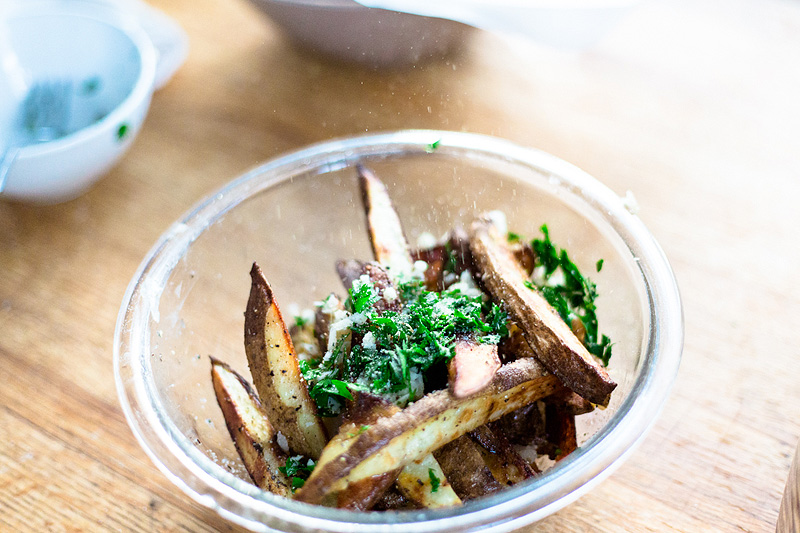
(348,31)
(110,64)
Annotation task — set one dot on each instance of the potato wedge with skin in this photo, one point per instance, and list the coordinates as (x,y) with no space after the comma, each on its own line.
(412,481)
(472,368)
(250,429)
(363,410)
(436,258)
(276,374)
(389,244)
(561,432)
(507,466)
(350,271)
(555,344)
(426,425)
(393,500)
(570,403)
(462,461)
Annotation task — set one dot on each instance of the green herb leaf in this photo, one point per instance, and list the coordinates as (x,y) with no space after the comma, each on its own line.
(297,469)
(574,298)
(122,131)
(403,345)
(435,481)
(341,388)
(433,146)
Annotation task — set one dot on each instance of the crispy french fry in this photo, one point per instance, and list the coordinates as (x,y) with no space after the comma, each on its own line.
(426,425)
(472,367)
(570,402)
(412,481)
(363,410)
(349,271)
(525,426)
(304,341)
(436,258)
(506,465)
(561,432)
(555,344)
(250,429)
(276,374)
(389,244)
(393,500)
(462,461)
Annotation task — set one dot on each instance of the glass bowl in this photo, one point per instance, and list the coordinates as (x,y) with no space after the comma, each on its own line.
(296,216)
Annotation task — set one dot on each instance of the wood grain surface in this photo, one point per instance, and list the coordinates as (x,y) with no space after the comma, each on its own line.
(691,104)
(789,514)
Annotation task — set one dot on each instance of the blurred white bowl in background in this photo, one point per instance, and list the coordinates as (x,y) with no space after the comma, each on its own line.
(348,31)
(111,66)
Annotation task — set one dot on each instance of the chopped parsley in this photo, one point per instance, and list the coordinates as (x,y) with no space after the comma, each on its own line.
(435,481)
(297,469)
(361,430)
(393,350)
(432,146)
(572,297)
(122,131)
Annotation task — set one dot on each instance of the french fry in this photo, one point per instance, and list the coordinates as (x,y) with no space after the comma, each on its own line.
(412,481)
(393,500)
(525,426)
(561,432)
(304,341)
(569,402)
(472,367)
(462,461)
(506,465)
(426,425)
(362,411)
(250,429)
(389,244)
(349,271)
(276,374)
(555,344)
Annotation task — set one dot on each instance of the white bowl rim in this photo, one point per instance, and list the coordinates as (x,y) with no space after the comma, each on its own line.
(243,503)
(126,25)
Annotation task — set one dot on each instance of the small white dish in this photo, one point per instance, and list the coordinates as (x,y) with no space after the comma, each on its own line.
(112,66)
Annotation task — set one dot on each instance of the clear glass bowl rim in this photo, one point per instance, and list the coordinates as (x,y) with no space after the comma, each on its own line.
(245,504)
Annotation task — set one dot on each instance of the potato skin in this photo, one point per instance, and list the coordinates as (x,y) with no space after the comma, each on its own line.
(466,469)
(428,424)
(250,429)
(276,374)
(555,345)
(472,368)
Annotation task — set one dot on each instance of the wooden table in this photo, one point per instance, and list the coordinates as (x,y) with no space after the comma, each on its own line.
(692,105)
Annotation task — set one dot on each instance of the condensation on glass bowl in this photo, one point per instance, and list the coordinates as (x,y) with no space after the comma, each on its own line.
(296,216)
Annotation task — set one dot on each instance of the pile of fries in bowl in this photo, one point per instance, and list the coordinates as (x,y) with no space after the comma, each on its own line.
(438,329)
